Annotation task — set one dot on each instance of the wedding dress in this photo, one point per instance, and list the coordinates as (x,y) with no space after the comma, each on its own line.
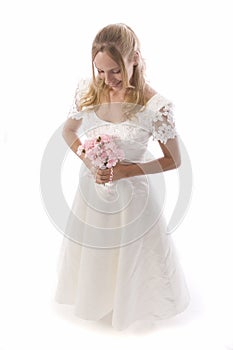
(116,255)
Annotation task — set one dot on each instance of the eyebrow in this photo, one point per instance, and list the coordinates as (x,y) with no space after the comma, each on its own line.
(118,67)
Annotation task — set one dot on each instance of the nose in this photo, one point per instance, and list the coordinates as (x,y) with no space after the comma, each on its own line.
(108,78)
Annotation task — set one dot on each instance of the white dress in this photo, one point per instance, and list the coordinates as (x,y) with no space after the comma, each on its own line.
(116,255)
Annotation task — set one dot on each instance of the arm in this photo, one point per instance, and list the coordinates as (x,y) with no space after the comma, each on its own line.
(70,128)
(69,134)
(171,159)
(74,122)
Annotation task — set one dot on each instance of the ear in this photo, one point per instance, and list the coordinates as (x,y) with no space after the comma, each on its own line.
(136,58)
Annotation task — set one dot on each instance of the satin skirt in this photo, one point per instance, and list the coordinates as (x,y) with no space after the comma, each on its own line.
(116,255)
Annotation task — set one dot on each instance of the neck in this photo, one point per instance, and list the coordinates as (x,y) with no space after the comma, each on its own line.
(117,95)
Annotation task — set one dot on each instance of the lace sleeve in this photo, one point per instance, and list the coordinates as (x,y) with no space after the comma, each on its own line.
(81,89)
(163,125)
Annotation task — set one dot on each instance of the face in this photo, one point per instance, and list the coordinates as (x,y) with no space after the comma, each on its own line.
(110,72)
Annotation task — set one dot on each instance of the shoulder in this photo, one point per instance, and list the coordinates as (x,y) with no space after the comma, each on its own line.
(81,90)
(156,101)
(82,87)
(149,92)
(151,95)
(158,109)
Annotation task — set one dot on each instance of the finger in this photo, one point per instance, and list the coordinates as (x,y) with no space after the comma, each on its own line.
(103,172)
(101,179)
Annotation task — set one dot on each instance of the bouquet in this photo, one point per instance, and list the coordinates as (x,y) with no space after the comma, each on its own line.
(102,151)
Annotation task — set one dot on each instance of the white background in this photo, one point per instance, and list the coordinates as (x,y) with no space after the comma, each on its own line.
(45,48)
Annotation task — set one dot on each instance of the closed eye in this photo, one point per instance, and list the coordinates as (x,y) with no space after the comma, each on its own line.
(116,72)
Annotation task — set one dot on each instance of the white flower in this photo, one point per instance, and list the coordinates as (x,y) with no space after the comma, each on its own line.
(164,132)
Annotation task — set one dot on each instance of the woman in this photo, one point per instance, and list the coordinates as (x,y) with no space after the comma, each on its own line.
(116,256)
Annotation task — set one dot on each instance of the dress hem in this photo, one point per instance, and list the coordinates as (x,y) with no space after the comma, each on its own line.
(151,318)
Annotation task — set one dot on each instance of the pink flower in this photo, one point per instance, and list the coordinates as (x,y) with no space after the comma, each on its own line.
(111,163)
(102,151)
(105,138)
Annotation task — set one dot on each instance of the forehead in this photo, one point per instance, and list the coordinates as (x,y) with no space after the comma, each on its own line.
(104,61)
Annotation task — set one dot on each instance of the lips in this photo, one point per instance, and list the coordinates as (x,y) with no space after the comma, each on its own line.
(114,85)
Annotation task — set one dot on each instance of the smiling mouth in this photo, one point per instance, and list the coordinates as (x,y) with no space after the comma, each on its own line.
(115,85)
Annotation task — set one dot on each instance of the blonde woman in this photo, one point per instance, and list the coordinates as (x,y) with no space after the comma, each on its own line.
(116,258)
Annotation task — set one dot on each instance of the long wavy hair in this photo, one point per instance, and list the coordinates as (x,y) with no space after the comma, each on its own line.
(119,41)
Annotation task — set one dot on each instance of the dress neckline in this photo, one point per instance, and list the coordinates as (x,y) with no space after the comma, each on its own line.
(108,122)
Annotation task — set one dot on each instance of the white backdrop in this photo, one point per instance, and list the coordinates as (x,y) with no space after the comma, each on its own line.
(45,48)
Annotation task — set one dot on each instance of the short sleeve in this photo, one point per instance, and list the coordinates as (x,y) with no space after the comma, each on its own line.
(81,89)
(162,123)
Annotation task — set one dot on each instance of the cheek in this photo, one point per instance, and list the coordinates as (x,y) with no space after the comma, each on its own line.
(117,76)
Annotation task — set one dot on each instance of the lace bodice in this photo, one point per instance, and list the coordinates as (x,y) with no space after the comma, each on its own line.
(155,120)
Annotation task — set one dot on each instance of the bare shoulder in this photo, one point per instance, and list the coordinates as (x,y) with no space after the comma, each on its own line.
(149,92)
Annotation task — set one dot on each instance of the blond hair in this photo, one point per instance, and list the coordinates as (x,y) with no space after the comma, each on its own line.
(119,41)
